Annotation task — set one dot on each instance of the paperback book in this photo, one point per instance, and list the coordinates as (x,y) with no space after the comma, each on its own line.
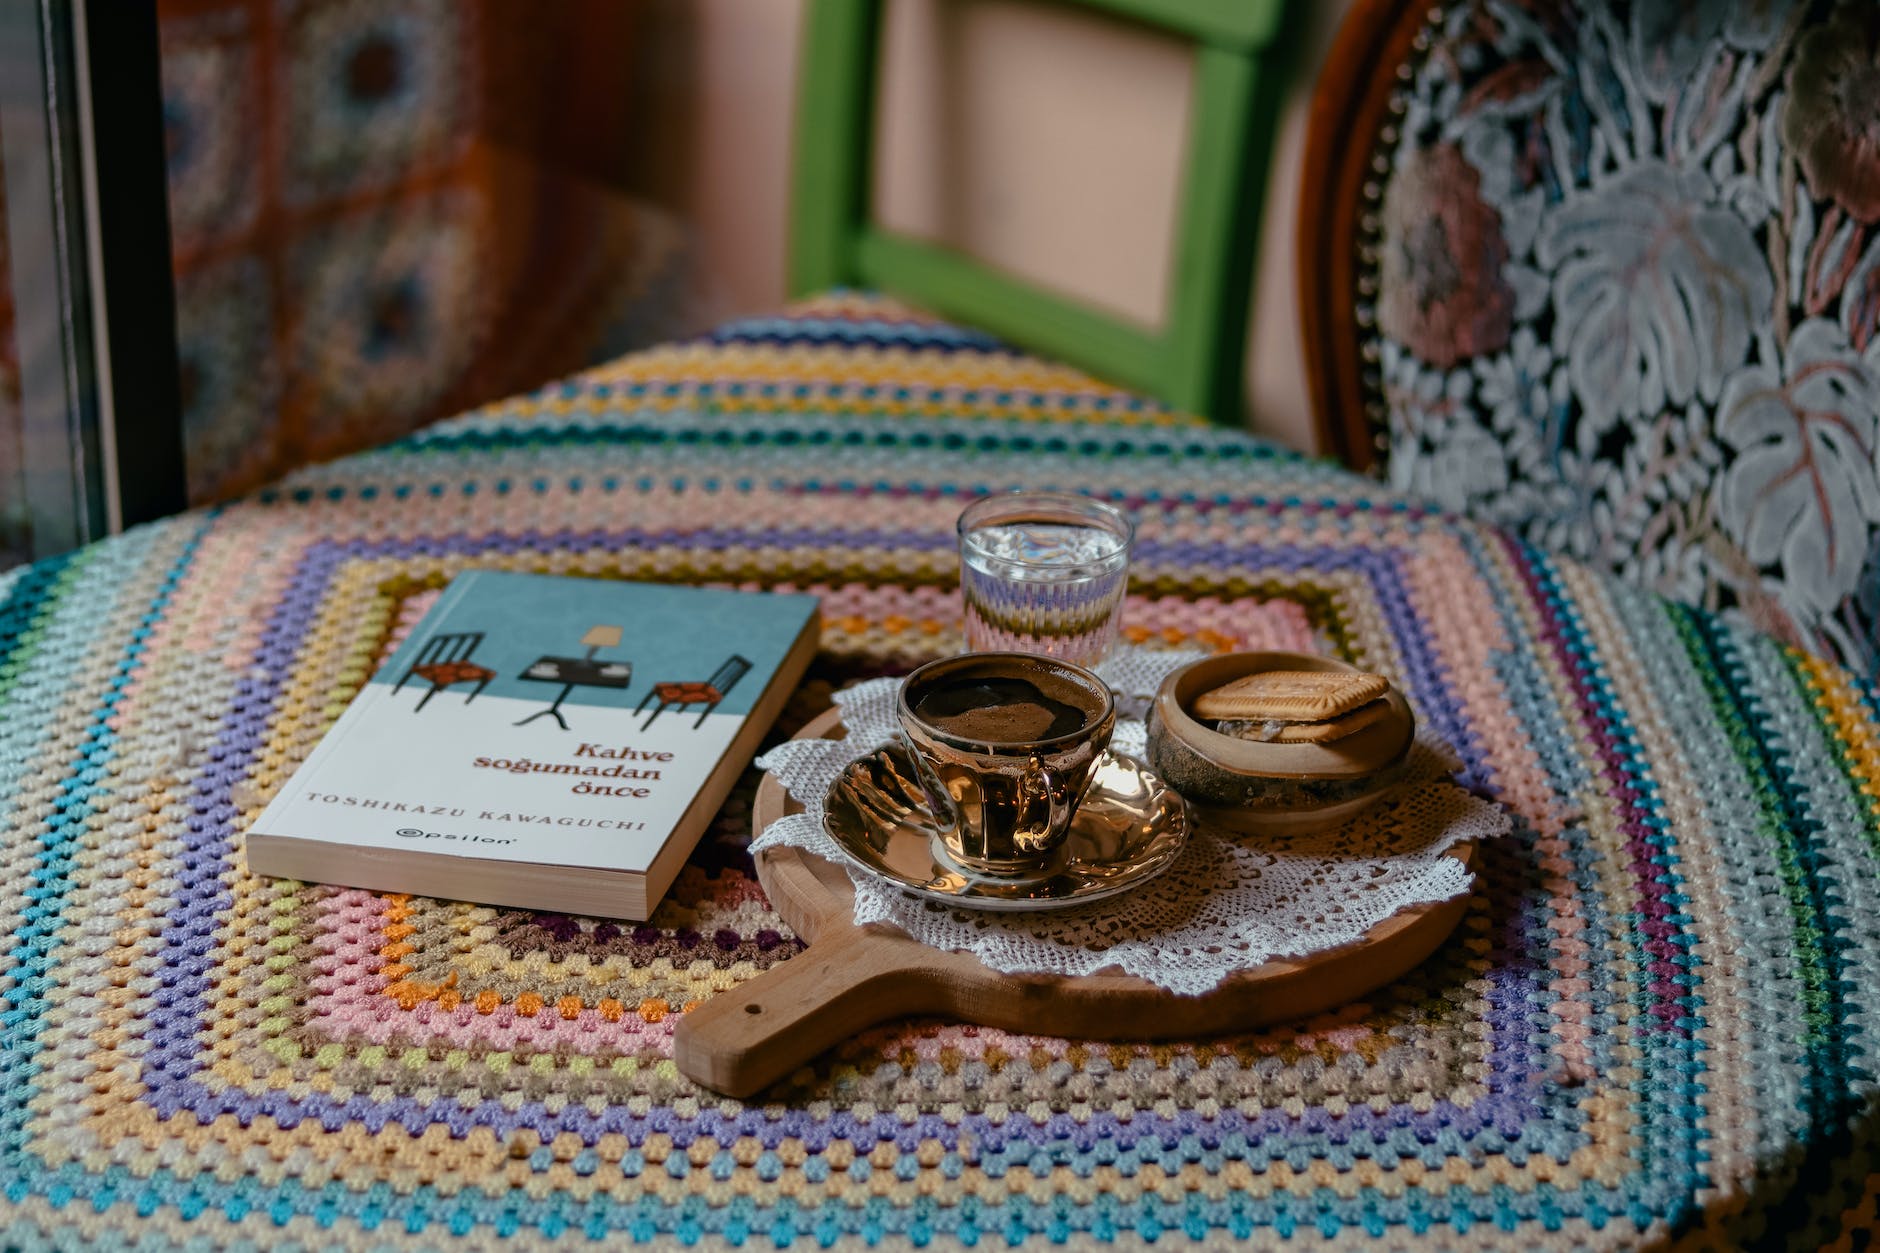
(543,742)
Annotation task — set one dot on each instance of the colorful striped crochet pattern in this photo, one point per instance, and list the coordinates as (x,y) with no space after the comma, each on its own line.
(1652,1026)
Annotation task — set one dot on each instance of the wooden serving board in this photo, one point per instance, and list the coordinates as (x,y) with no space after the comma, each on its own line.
(850,978)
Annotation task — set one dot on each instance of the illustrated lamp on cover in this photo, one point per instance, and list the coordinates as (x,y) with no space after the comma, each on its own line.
(599,637)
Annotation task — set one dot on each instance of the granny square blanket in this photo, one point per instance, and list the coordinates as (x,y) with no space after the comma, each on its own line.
(1653,1025)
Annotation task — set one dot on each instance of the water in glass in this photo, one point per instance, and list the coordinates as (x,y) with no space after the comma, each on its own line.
(1044,586)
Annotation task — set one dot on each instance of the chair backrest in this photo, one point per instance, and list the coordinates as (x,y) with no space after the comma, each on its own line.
(726,677)
(1610,275)
(453,646)
(1194,362)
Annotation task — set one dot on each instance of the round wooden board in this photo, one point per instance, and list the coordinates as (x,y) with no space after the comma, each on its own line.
(850,978)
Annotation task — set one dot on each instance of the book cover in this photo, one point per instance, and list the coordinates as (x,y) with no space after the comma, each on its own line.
(534,732)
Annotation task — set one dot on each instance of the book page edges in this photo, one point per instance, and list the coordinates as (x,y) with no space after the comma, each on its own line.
(541,886)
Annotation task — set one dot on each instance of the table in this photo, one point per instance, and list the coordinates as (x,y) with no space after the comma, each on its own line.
(573,672)
(1654,1021)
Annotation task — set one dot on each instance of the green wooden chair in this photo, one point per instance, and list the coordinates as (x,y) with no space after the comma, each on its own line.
(1192,363)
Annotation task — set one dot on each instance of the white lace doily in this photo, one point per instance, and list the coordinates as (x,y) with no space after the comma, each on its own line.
(1227,904)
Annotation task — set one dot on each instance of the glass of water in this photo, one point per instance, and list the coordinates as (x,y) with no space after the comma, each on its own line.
(1044,572)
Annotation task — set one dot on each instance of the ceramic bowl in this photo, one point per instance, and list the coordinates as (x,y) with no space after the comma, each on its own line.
(1256,786)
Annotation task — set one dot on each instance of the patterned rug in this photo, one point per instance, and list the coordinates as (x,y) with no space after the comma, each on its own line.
(1652,1024)
(378,217)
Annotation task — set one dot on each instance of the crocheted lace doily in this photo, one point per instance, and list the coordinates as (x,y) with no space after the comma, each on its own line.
(1227,904)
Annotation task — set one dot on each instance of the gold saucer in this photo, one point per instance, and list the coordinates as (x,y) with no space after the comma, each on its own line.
(1127,830)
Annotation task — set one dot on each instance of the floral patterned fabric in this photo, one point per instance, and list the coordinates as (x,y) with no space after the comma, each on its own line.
(1627,278)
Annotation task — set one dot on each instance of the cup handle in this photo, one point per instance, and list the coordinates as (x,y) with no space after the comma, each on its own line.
(1040,785)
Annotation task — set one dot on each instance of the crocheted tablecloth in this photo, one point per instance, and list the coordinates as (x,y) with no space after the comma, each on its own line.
(1652,1023)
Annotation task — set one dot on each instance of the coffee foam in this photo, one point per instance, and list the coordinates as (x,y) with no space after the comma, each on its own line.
(1009,702)
(1009,723)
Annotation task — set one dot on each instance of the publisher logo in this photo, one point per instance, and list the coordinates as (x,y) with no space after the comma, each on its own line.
(413,833)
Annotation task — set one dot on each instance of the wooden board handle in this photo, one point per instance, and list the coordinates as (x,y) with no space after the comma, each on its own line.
(741,1041)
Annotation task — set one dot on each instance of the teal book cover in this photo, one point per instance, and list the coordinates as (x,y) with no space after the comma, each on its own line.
(541,719)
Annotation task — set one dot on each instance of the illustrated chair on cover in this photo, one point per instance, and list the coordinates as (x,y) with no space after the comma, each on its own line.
(710,692)
(444,662)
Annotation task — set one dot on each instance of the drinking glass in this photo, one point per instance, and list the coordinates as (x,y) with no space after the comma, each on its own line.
(1044,572)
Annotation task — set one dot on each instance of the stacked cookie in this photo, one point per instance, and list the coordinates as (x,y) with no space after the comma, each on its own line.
(1295,706)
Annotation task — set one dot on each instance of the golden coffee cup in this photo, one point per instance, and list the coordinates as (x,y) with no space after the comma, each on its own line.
(1004,744)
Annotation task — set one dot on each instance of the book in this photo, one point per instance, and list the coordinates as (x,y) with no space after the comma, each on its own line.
(544,742)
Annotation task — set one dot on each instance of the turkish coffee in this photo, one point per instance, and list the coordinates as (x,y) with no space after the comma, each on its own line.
(1006,708)
(1004,744)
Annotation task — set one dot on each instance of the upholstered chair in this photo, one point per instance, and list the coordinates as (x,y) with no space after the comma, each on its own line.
(1609,274)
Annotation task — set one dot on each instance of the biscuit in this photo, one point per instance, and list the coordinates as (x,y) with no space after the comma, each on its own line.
(1291,696)
(1278,732)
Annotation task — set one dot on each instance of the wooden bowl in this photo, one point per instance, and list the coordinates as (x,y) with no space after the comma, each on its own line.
(1282,788)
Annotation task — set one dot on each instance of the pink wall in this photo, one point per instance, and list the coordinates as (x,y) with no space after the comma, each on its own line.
(1040,138)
